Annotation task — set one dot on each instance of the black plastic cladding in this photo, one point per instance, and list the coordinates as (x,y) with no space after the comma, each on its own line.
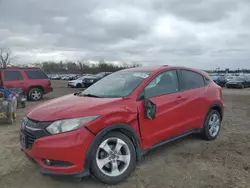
(31,136)
(57,163)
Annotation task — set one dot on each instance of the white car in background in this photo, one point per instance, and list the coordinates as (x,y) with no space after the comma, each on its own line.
(230,78)
(78,82)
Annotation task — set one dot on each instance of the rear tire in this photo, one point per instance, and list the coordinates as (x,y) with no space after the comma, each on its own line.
(23,104)
(78,85)
(35,94)
(212,125)
(114,158)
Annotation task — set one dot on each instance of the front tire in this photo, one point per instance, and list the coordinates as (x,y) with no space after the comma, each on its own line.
(212,125)
(114,158)
(35,94)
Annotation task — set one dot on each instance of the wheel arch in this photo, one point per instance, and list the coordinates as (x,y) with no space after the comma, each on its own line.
(36,86)
(218,107)
(121,127)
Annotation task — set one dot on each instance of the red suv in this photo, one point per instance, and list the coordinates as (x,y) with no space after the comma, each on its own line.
(105,129)
(33,81)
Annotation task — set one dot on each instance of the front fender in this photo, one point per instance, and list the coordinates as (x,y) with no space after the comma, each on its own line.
(123,116)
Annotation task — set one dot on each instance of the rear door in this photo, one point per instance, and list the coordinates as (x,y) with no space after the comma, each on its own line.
(37,77)
(13,79)
(195,105)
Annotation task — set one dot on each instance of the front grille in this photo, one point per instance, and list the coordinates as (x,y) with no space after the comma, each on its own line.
(30,138)
(32,135)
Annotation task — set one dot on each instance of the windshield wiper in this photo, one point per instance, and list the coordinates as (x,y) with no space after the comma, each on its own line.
(90,95)
(78,93)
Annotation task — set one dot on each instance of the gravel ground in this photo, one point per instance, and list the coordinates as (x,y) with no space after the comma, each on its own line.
(189,162)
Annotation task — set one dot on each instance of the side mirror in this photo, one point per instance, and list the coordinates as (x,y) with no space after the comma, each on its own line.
(149,109)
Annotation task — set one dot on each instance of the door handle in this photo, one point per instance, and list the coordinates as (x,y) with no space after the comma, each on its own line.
(179,98)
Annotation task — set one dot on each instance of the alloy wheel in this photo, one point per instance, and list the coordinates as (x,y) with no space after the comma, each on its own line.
(36,95)
(113,157)
(214,125)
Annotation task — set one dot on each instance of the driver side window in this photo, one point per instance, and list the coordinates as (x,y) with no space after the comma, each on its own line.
(162,84)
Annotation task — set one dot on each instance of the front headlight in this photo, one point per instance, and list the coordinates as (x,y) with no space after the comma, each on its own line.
(66,125)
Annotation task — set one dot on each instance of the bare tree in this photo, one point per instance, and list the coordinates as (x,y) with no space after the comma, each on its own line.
(83,66)
(5,57)
(135,64)
(125,65)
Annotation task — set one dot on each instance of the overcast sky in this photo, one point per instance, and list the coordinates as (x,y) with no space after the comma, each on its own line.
(195,33)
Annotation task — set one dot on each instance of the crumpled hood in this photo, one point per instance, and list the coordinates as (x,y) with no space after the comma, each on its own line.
(70,106)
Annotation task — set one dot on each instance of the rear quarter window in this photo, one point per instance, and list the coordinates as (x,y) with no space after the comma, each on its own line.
(35,74)
(191,80)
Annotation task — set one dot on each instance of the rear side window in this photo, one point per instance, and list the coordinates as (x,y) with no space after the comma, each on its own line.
(12,75)
(32,75)
(191,80)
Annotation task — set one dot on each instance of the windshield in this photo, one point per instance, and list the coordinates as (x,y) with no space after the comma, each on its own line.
(238,79)
(118,84)
(214,77)
(221,78)
(230,77)
(101,74)
(80,78)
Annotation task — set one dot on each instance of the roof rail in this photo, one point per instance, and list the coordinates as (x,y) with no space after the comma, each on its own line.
(19,68)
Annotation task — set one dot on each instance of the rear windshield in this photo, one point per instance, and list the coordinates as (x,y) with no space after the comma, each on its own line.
(35,74)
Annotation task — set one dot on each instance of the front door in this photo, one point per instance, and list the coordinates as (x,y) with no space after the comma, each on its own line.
(163,91)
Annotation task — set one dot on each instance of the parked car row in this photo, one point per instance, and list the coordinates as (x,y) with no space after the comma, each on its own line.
(242,81)
(63,76)
(239,82)
(87,80)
